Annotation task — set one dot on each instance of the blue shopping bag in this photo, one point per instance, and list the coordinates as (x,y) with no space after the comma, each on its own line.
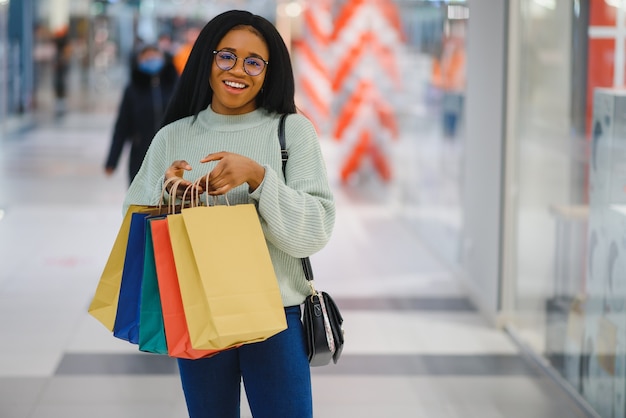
(126,326)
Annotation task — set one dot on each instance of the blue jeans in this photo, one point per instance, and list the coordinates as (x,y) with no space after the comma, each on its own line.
(275,372)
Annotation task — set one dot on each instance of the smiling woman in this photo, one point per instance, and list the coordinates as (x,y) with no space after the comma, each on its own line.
(221,130)
(234,88)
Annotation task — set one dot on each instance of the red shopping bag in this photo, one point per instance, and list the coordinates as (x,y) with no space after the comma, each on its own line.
(174,320)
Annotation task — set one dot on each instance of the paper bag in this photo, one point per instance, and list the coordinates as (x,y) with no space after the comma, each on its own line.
(174,321)
(228,285)
(126,326)
(103,306)
(151,327)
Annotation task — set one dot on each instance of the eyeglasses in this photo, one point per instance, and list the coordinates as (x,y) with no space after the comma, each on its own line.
(226,60)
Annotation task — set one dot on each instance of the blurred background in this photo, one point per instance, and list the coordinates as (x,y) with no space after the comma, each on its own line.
(490,130)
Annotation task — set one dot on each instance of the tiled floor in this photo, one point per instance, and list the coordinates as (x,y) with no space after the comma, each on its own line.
(415,346)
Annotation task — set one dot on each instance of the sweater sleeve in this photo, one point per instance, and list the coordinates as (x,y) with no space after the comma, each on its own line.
(297,216)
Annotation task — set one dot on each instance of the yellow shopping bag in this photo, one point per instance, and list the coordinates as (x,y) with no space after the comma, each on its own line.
(227,281)
(103,306)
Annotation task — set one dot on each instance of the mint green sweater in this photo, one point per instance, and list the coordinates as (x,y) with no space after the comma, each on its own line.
(297,218)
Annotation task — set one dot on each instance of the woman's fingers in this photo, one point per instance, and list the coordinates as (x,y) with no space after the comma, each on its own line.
(177,168)
(230,171)
(214,157)
(176,171)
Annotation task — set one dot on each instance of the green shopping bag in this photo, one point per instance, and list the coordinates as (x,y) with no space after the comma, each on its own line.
(151,328)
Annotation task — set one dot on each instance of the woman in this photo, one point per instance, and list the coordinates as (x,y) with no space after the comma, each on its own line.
(222,123)
(143,105)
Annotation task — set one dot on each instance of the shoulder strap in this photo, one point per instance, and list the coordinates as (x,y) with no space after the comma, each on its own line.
(306,263)
(283,144)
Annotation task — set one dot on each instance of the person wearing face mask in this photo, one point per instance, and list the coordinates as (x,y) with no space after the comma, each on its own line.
(152,81)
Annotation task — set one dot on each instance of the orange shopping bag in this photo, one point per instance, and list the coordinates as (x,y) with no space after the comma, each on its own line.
(176,332)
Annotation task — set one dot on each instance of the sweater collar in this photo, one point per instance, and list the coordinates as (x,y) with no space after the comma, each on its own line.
(227,123)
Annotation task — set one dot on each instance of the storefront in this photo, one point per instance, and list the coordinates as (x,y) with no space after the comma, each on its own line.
(567,187)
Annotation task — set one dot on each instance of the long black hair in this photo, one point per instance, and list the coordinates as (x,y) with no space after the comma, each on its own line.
(193,92)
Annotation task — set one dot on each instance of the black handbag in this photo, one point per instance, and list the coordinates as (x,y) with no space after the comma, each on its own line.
(322,321)
(323,326)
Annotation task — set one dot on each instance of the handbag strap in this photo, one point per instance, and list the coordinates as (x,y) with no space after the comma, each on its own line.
(306,263)
(281,138)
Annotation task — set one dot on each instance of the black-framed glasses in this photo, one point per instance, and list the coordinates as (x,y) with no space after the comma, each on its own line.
(226,60)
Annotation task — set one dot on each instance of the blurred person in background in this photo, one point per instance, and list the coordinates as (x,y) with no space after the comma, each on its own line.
(62,60)
(145,98)
(448,74)
(182,53)
(166,44)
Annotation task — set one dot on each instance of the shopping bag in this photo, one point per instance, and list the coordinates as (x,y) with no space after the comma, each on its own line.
(226,278)
(151,327)
(103,306)
(176,332)
(126,326)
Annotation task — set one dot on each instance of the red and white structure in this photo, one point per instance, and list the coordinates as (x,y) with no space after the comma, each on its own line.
(366,40)
(342,65)
(311,57)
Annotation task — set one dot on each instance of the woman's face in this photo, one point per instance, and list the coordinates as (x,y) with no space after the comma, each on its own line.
(234,91)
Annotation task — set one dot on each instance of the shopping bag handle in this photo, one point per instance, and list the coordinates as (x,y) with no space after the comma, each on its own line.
(171,204)
(197,202)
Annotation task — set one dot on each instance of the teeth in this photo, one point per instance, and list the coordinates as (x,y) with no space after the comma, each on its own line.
(235,85)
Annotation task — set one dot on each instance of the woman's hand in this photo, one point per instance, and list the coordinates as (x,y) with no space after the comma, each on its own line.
(232,170)
(176,172)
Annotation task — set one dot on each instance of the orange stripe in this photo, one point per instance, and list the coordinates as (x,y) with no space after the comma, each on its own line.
(304,48)
(344,17)
(387,118)
(315,29)
(385,112)
(387,56)
(314,97)
(362,148)
(350,108)
(354,159)
(350,60)
(380,162)
(388,9)
(393,16)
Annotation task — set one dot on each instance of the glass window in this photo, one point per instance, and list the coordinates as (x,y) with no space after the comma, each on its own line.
(570,184)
